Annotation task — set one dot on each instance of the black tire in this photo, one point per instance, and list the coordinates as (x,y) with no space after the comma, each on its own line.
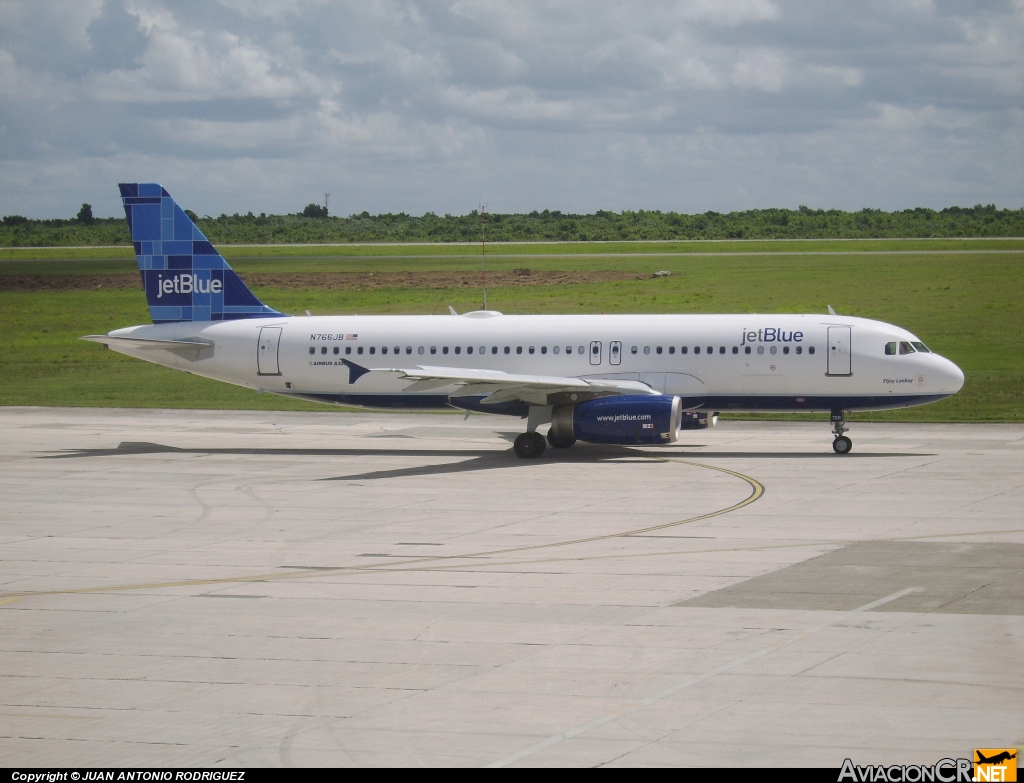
(842,445)
(529,445)
(560,443)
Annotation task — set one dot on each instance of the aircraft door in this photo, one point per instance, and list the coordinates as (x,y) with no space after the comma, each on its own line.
(595,352)
(266,354)
(615,352)
(839,351)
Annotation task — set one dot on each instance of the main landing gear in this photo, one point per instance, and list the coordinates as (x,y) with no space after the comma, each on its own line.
(559,443)
(842,444)
(529,445)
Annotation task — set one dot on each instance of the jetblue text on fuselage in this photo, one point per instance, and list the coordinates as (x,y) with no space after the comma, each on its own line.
(771,335)
(187,284)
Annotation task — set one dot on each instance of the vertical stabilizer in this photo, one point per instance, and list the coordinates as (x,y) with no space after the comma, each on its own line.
(185,278)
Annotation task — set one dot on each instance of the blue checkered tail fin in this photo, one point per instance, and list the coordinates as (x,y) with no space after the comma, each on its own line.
(185,278)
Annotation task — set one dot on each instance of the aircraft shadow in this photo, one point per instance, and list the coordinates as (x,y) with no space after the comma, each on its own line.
(479,459)
(142,447)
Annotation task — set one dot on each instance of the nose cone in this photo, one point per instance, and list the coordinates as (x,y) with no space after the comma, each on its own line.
(952,377)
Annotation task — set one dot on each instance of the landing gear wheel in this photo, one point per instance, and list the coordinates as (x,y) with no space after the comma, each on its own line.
(560,443)
(529,445)
(842,445)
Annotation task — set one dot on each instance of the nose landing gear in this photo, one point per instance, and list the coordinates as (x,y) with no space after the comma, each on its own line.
(842,444)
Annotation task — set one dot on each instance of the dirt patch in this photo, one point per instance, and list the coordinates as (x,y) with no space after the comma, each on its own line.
(328,281)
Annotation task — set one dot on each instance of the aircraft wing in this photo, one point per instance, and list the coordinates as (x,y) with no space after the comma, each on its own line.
(507,387)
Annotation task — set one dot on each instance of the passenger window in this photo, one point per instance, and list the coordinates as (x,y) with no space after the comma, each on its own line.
(683,349)
(398,350)
(579,350)
(408,350)
(433,349)
(554,349)
(799,350)
(531,349)
(469,349)
(905,348)
(323,350)
(633,349)
(359,350)
(671,349)
(348,350)
(384,349)
(312,350)
(746,349)
(920,346)
(337,350)
(444,350)
(711,349)
(568,349)
(785,349)
(420,350)
(543,349)
(458,349)
(760,350)
(483,349)
(373,350)
(773,350)
(890,349)
(696,349)
(810,349)
(494,349)
(659,350)
(507,350)
(647,349)
(519,349)
(735,350)
(721,349)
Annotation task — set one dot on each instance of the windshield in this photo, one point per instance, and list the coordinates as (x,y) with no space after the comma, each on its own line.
(920,346)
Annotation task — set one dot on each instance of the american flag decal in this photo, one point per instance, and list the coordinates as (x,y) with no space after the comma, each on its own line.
(351,336)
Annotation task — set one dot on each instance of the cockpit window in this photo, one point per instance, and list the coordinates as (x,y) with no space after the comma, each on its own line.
(920,346)
(905,347)
(890,349)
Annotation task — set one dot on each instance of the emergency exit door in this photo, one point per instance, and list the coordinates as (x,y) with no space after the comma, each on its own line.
(615,352)
(595,352)
(839,351)
(266,354)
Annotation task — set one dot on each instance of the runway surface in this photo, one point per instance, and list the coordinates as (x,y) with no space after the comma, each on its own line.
(241,588)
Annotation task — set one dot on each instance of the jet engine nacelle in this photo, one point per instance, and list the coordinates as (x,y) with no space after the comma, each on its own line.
(635,419)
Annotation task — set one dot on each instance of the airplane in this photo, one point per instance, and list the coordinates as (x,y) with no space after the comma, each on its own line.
(609,379)
(996,759)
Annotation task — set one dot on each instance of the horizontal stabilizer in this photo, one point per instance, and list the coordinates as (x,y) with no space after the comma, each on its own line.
(189,349)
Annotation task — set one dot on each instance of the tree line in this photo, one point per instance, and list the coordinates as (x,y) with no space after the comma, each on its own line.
(316,226)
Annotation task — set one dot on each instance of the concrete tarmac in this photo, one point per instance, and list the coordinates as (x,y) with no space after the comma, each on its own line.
(230,588)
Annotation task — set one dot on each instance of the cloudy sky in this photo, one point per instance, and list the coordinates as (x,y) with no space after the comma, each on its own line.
(264,105)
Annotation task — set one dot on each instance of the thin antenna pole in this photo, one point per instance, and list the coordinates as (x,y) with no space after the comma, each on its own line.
(327,201)
(483,251)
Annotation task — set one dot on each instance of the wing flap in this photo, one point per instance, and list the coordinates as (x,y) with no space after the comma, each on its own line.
(508,387)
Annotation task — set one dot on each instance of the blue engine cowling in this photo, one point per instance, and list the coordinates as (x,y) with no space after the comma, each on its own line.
(634,419)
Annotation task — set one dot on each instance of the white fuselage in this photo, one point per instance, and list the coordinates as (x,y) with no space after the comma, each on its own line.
(719,362)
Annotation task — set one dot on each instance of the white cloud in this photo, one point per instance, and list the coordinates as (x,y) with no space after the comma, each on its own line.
(191,65)
(413,105)
(730,12)
(761,70)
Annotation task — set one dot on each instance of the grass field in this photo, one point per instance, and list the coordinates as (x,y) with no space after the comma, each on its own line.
(964,298)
